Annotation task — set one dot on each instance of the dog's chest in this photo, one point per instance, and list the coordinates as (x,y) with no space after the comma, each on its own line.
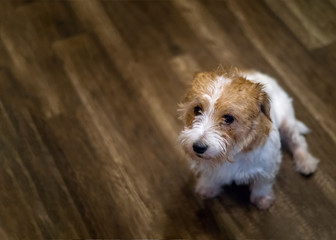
(243,169)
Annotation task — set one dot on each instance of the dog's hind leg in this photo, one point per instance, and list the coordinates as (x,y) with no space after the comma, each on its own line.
(291,132)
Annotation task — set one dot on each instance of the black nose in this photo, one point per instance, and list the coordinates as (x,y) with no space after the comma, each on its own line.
(199,147)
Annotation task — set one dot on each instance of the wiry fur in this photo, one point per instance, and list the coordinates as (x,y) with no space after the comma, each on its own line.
(246,151)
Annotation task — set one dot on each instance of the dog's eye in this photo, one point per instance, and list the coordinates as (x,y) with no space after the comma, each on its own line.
(228,119)
(197,110)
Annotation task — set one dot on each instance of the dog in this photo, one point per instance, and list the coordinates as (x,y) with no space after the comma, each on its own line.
(234,124)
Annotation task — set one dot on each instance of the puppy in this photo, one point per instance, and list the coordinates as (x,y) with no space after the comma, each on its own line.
(234,124)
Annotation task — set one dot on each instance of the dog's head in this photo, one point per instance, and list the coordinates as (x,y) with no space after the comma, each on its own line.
(223,114)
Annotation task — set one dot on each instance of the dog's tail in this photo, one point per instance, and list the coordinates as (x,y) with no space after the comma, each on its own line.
(302,128)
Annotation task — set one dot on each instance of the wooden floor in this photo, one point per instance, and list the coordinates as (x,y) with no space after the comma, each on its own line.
(88,98)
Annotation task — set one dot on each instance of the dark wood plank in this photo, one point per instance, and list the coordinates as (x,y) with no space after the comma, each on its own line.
(33,189)
(27,39)
(326,56)
(313,22)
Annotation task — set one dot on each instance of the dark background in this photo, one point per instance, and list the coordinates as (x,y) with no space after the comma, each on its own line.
(88,97)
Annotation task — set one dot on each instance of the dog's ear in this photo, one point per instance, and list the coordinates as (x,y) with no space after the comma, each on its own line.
(182,111)
(264,104)
(198,82)
(184,107)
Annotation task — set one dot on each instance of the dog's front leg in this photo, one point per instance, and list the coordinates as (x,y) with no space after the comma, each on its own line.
(261,192)
(208,187)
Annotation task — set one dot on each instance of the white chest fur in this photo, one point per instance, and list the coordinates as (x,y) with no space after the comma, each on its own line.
(261,162)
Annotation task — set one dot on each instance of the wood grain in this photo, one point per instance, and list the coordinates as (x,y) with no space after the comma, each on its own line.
(88,99)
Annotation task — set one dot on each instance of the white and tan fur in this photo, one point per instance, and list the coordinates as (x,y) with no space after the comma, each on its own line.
(234,122)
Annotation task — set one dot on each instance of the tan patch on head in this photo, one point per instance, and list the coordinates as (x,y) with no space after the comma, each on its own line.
(250,106)
(200,85)
(195,95)
(244,100)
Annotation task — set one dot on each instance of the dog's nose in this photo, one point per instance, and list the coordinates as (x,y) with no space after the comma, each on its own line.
(199,147)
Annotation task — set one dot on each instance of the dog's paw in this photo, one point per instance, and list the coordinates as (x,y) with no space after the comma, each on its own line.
(207,191)
(305,162)
(263,202)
